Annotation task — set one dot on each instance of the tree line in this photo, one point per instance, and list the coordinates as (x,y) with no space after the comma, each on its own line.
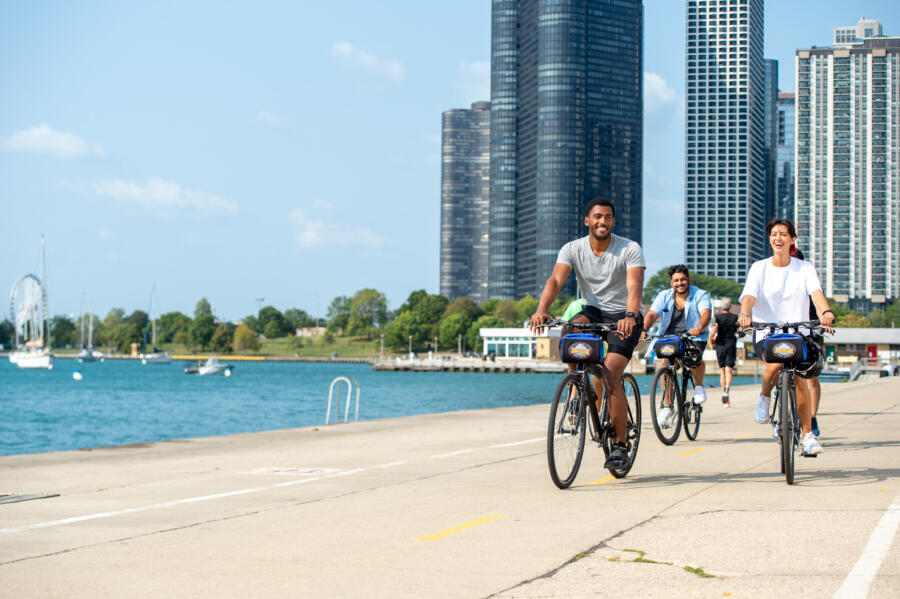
(423,322)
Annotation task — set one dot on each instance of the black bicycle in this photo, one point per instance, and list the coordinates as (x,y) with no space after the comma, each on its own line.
(574,411)
(666,393)
(801,355)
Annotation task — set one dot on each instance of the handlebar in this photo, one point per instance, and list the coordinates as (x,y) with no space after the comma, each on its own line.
(588,327)
(814,325)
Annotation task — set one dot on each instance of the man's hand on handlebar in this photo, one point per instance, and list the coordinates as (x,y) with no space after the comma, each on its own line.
(537,321)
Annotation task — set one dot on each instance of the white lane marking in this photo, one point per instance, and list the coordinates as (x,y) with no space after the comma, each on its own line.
(519,443)
(458,452)
(331,473)
(860,578)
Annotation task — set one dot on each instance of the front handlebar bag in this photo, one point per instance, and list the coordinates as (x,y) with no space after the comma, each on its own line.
(784,348)
(581,348)
(669,347)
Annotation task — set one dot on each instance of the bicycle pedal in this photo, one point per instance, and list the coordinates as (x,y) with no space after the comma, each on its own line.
(809,455)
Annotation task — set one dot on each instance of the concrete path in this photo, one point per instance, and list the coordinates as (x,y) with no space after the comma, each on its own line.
(461,505)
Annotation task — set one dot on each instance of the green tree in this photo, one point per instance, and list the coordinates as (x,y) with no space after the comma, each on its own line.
(368,310)
(245,339)
(886,317)
(222,338)
(508,312)
(131,330)
(170,324)
(252,323)
(339,314)
(559,305)
(7,333)
(452,327)
(111,325)
(485,322)
(202,307)
(526,307)
(63,332)
(465,306)
(853,320)
(298,319)
(273,323)
(201,331)
(488,306)
(140,320)
(398,332)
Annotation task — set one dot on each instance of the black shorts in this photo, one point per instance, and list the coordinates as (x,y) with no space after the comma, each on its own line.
(614,343)
(726,354)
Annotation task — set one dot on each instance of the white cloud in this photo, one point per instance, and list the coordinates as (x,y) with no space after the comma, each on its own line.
(44,140)
(271,118)
(318,231)
(167,198)
(473,81)
(657,92)
(355,58)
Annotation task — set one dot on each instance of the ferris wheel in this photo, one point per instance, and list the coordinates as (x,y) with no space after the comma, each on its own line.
(28,310)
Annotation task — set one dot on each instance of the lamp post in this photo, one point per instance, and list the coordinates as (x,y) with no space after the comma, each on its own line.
(382,347)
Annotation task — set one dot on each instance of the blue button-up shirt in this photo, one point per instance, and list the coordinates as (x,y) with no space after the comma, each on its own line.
(697,301)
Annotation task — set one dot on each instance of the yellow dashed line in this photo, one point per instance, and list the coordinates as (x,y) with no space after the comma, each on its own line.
(693,451)
(602,480)
(744,436)
(452,531)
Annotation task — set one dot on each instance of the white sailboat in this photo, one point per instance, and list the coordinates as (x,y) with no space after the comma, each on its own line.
(88,353)
(156,356)
(28,312)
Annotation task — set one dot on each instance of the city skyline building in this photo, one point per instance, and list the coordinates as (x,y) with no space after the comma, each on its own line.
(465,189)
(847,204)
(784,161)
(566,126)
(725,137)
(771,140)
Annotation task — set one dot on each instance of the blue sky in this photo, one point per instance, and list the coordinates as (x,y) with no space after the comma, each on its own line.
(280,150)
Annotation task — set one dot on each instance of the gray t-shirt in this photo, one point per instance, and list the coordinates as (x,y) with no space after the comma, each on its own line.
(602,278)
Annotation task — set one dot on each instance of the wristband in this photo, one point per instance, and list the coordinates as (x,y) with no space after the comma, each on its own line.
(828,312)
(744,314)
(632,315)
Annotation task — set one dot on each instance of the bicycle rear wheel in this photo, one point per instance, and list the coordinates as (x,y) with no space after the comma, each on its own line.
(788,425)
(662,390)
(691,412)
(565,432)
(633,425)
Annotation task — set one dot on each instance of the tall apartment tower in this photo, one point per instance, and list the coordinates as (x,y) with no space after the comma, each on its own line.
(566,127)
(848,168)
(770,110)
(465,188)
(784,161)
(725,187)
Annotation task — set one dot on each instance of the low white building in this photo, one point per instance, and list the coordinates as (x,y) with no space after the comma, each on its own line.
(519,343)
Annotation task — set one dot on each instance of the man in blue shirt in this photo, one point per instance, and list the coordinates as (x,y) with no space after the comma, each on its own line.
(681,308)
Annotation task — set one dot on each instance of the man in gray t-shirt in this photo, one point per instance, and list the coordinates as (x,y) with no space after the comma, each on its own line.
(610,273)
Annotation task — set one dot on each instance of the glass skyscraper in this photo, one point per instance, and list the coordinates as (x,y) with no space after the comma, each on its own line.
(566,127)
(725,158)
(465,174)
(784,162)
(848,169)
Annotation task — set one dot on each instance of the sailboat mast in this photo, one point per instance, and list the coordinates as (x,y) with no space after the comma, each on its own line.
(46,311)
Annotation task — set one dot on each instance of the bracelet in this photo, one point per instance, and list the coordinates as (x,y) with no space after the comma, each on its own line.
(744,314)
(828,312)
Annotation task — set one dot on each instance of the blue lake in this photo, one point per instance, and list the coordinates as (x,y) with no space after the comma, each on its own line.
(119,402)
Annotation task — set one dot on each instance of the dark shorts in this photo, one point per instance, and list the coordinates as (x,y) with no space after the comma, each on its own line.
(726,354)
(614,343)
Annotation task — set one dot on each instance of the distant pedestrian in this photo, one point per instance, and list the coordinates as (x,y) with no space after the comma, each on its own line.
(723,336)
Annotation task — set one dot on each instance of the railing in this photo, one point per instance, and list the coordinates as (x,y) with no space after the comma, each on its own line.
(336,382)
(856,370)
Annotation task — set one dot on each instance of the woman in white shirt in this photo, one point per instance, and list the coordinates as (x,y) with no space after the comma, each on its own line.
(778,289)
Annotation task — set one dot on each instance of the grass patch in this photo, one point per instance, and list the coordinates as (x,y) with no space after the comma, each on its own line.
(698,571)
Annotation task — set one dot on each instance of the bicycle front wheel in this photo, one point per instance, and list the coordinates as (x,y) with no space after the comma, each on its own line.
(566,430)
(692,411)
(788,425)
(664,395)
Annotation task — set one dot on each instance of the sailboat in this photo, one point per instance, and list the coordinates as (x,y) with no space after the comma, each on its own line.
(157,356)
(28,312)
(87,353)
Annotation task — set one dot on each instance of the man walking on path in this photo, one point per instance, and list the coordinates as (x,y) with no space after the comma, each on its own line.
(723,336)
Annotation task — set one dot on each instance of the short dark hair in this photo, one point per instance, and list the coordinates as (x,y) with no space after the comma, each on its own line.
(781,221)
(599,202)
(679,268)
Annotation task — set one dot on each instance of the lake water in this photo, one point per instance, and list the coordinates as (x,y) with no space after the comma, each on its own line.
(119,402)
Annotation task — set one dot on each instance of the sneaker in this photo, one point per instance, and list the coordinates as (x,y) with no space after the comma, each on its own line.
(811,444)
(761,415)
(618,457)
(725,399)
(815,426)
(727,404)
(699,396)
(665,417)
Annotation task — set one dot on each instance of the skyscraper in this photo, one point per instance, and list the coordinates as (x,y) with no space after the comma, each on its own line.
(770,110)
(566,126)
(848,170)
(465,173)
(784,161)
(725,163)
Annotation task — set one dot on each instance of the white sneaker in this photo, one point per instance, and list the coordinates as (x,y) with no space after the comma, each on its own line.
(761,415)
(811,444)
(699,395)
(665,417)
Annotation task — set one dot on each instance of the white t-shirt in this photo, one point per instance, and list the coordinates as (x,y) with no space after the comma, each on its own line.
(782,293)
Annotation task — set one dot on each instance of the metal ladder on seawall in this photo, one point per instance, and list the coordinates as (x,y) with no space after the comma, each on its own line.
(350,381)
